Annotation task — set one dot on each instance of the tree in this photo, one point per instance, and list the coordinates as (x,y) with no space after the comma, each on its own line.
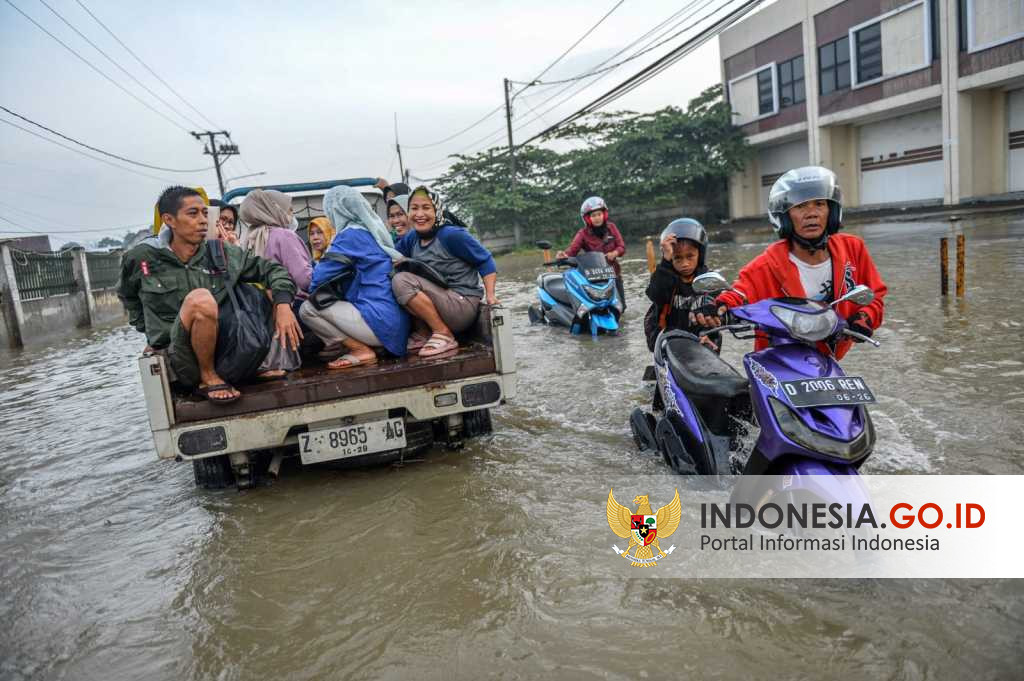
(107,242)
(636,161)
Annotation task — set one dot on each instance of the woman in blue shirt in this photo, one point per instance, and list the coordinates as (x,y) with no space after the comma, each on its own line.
(467,267)
(369,317)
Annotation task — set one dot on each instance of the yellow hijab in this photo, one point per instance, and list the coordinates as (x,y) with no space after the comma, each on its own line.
(325,226)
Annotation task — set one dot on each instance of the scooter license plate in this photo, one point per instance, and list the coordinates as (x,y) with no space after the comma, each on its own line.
(828,392)
(329,444)
(599,273)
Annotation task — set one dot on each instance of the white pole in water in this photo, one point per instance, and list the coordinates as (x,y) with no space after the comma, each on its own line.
(12,310)
(80,266)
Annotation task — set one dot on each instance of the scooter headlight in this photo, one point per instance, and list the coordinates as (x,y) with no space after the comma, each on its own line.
(806,326)
(794,428)
(599,293)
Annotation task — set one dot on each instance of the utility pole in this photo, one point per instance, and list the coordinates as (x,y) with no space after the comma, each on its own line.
(211,149)
(398,148)
(511,156)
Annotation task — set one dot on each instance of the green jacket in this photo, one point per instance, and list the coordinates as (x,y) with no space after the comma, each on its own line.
(154,282)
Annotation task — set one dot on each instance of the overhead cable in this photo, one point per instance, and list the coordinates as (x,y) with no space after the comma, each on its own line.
(101,151)
(500,107)
(122,69)
(148,68)
(98,70)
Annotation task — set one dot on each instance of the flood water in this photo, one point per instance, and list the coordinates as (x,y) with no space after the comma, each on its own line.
(113,566)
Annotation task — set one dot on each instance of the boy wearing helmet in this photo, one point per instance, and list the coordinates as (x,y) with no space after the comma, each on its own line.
(812,260)
(673,302)
(600,235)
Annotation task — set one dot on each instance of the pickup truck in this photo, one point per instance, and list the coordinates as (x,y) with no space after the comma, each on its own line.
(352,417)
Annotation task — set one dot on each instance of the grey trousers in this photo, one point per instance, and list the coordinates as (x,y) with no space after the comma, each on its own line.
(338,322)
(457,311)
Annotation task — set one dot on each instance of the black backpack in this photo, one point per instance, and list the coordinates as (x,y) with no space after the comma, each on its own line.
(245,328)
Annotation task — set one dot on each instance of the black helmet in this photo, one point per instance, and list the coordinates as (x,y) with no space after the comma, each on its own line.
(798,186)
(691,230)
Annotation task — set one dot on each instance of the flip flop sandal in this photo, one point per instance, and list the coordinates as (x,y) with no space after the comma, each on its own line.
(416,341)
(351,361)
(439,344)
(217,387)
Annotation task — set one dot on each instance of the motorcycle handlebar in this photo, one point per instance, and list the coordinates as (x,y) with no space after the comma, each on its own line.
(732,328)
(860,336)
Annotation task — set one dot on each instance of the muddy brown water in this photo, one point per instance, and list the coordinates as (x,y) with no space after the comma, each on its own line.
(113,566)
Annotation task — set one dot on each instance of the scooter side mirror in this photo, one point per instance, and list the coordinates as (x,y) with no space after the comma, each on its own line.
(860,294)
(710,282)
(543,245)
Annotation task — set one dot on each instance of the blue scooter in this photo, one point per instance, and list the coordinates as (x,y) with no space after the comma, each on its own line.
(813,419)
(582,297)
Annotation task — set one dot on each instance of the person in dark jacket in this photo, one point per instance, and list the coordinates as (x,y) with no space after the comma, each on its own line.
(600,235)
(673,301)
(173,296)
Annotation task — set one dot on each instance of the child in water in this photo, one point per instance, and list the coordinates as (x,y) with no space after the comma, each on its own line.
(683,246)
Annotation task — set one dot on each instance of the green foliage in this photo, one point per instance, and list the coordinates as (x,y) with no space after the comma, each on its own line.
(637,161)
(107,242)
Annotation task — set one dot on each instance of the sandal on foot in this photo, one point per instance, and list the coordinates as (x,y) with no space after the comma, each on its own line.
(439,344)
(350,361)
(416,341)
(331,352)
(205,391)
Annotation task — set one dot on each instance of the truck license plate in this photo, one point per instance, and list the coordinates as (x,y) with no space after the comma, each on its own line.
(328,444)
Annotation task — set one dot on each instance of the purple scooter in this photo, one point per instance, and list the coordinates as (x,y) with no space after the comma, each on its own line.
(815,427)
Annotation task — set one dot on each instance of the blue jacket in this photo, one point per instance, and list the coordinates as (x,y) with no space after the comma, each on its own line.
(370,290)
(457,241)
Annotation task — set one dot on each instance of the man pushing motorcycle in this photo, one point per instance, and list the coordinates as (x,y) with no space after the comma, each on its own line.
(811,259)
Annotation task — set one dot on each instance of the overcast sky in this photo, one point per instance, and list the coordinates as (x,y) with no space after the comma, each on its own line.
(308,94)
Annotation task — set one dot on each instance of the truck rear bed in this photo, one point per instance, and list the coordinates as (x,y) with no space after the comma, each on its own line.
(310,385)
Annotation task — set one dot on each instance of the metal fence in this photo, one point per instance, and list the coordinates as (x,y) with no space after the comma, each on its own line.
(104,270)
(43,274)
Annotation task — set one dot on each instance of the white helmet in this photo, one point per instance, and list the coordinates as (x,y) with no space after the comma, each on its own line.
(590,205)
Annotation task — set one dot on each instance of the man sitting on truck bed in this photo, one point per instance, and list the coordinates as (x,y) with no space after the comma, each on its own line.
(173,297)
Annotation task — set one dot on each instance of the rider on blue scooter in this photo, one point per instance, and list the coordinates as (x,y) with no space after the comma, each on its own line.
(811,260)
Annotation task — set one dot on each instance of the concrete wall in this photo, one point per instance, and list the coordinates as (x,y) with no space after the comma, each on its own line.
(46,317)
(838,149)
(901,159)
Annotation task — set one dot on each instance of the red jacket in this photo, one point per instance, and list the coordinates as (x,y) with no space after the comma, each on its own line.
(772,275)
(586,241)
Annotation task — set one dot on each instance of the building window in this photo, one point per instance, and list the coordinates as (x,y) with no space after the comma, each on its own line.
(869,53)
(765,98)
(791,82)
(834,66)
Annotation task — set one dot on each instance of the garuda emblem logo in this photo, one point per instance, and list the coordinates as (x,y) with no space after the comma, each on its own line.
(643,528)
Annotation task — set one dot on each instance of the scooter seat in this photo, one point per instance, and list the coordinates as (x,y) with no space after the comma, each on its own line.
(555,285)
(699,371)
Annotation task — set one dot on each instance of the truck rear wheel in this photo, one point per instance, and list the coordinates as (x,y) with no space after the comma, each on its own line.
(213,472)
(477,423)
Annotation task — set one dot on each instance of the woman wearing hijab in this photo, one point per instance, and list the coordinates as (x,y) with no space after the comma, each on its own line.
(321,234)
(398,215)
(271,235)
(369,317)
(455,255)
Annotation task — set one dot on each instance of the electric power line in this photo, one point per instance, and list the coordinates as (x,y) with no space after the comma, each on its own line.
(147,67)
(108,230)
(123,69)
(497,134)
(82,153)
(573,46)
(98,70)
(500,107)
(70,228)
(652,70)
(100,151)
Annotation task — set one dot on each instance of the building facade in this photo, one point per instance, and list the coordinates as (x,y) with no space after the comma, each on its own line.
(908,101)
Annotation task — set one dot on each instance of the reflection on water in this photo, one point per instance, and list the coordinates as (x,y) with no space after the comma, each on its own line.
(115,567)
